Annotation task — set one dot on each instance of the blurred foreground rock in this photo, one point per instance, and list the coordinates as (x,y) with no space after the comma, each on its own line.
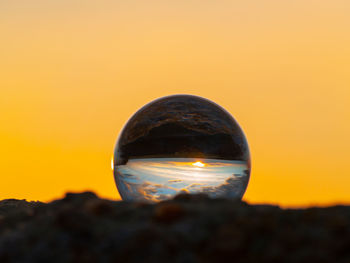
(84,228)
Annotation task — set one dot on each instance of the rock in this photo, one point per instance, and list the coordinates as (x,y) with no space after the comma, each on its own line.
(189,228)
(168,212)
(13,205)
(98,207)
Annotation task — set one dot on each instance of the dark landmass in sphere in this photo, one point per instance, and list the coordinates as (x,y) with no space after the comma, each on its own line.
(85,228)
(182,126)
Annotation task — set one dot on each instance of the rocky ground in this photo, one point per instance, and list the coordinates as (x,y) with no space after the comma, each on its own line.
(84,228)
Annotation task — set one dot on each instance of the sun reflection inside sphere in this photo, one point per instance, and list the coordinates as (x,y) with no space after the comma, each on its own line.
(198,164)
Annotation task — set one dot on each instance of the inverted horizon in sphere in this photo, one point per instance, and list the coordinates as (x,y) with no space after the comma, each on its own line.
(157,179)
(182,138)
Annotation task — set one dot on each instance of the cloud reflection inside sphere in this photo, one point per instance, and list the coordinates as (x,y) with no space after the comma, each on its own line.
(181,143)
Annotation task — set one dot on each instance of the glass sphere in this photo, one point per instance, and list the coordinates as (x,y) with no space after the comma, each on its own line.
(181,144)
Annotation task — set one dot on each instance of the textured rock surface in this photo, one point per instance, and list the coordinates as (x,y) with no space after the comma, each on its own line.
(84,228)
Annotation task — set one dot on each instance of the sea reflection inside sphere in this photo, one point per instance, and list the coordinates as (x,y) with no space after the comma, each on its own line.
(181,144)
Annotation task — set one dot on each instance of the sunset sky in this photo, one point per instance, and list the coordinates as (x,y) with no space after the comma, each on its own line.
(73,72)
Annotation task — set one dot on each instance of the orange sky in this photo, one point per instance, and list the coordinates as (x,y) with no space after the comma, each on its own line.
(73,72)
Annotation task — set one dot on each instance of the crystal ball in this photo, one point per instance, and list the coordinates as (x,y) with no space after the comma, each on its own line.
(181,144)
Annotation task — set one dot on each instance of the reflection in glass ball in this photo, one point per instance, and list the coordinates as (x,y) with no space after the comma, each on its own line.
(181,143)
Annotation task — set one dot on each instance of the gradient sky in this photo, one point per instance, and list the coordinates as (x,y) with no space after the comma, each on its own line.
(73,72)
